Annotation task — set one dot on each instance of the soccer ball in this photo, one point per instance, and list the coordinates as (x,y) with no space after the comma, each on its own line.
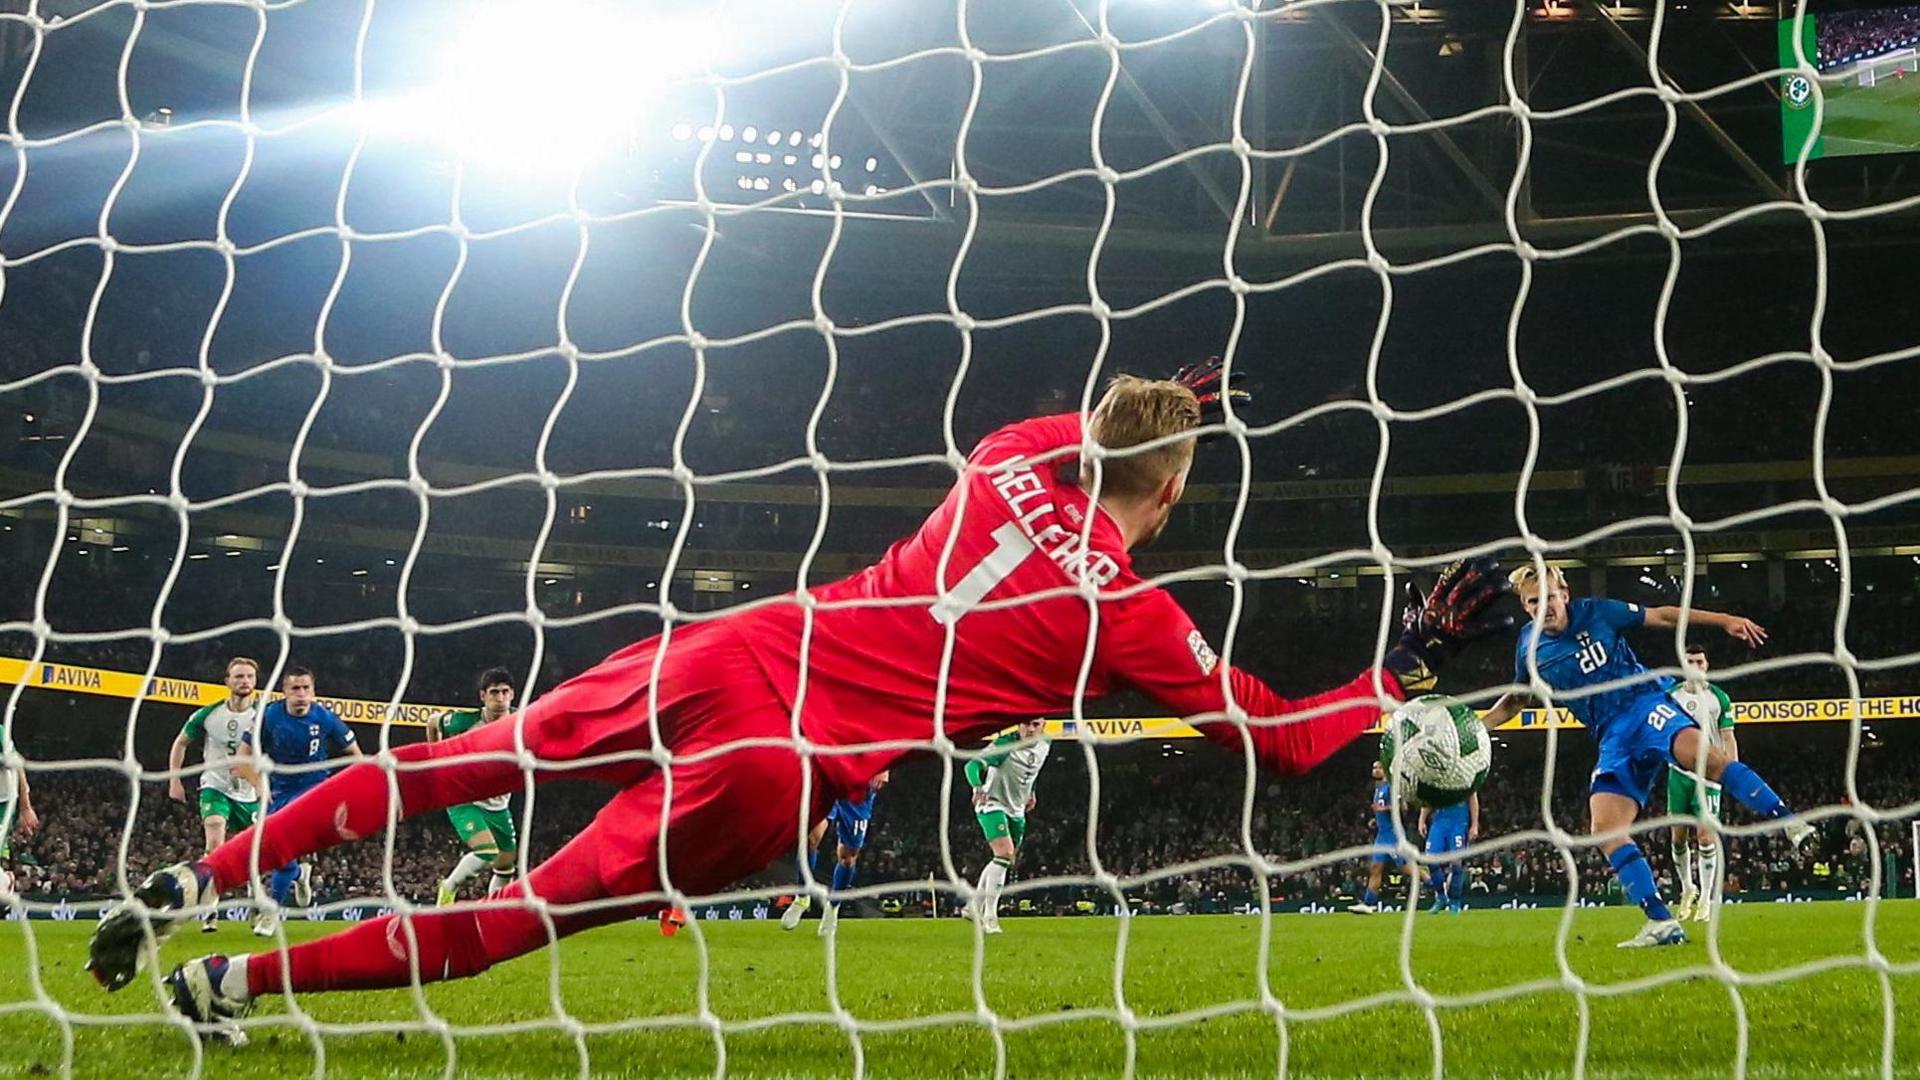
(1436,750)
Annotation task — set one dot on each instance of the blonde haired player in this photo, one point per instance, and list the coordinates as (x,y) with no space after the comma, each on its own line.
(1016,598)
(226,797)
(1578,645)
(1697,797)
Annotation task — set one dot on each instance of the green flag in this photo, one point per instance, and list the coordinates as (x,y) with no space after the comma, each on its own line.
(1798,104)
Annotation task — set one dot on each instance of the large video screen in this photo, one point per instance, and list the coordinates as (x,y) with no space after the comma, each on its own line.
(1869,63)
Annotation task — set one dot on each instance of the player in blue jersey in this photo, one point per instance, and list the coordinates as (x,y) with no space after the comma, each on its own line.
(1580,649)
(1385,836)
(850,820)
(295,731)
(1449,829)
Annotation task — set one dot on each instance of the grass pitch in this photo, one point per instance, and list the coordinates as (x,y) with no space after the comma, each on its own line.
(1877,119)
(1055,981)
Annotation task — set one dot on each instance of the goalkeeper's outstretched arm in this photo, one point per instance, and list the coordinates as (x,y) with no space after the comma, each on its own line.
(1152,644)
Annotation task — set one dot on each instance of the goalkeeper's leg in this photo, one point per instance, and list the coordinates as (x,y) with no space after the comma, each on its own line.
(357,801)
(601,716)
(601,713)
(746,795)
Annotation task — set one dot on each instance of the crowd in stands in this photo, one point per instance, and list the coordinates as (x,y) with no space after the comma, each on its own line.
(84,818)
(115,591)
(891,398)
(1162,807)
(755,402)
(1842,37)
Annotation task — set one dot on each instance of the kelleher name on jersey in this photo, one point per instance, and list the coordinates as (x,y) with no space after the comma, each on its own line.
(1017,484)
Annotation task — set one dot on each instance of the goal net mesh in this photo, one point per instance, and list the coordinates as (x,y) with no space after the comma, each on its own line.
(1893,65)
(839,187)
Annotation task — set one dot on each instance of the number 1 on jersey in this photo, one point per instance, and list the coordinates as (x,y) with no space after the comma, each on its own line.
(1011,548)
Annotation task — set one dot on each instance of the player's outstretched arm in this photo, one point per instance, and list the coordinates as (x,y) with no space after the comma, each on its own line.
(1508,707)
(1738,627)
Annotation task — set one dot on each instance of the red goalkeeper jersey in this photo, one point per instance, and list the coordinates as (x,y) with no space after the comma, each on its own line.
(1022,631)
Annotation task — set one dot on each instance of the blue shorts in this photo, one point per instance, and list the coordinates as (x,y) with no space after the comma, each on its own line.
(1637,747)
(1447,832)
(1384,836)
(849,824)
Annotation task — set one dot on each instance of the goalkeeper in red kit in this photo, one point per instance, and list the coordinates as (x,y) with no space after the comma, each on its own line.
(728,737)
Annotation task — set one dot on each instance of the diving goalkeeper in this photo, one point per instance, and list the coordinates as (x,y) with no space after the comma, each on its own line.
(1040,598)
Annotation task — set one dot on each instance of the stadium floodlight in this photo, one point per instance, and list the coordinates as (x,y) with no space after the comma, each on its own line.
(546,87)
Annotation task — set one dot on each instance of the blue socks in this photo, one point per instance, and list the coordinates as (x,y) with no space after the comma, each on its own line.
(1637,878)
(1370,898)
(1449,885)
(1753,793)
(842,879)
(812,861)
(280,884)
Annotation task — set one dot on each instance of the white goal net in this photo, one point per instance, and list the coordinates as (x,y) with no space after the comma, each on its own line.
(1897,64)
(404,341)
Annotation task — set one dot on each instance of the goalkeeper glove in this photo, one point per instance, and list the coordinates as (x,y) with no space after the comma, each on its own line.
(1211,388)
(1454,612)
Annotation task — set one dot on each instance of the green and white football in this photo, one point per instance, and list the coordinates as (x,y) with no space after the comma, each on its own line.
(1435,750)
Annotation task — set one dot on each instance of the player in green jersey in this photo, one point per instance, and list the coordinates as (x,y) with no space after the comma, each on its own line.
(16,812)
(1699,797)
(226,798)
(486,827)
(1002,780)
